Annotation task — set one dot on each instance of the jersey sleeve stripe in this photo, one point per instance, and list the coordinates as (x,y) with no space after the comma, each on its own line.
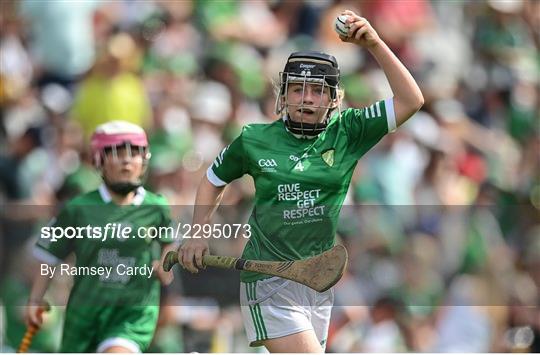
(366,112)
(213,178)
(390,115)
(372,111)
(378,108)
(44,256)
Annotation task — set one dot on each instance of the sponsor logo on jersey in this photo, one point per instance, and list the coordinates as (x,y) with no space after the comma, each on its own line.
(294,158)
(267,165)
(301,162)
(328,157)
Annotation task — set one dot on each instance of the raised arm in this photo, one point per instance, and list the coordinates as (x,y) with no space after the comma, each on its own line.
(407,95)
(208,199)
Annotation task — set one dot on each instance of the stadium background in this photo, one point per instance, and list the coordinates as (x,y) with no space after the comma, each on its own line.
(441,222)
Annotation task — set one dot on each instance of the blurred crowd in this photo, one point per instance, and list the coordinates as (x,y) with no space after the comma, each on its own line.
(442,218)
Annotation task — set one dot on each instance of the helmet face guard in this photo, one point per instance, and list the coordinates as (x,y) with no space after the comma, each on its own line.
(108,138)
(131,151)
(318,70)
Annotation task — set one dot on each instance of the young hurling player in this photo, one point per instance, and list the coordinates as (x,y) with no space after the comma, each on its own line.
(301,166)
(113,311)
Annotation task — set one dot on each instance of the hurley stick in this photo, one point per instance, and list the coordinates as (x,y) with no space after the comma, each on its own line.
(31,330)
(319,272)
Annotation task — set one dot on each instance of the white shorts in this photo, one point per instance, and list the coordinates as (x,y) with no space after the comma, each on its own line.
(276,307)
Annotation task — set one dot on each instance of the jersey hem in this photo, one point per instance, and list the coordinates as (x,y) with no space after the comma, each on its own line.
(256,277)
(256,343)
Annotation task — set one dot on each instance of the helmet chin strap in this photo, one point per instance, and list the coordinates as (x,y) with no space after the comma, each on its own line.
(122,188)
(304,129)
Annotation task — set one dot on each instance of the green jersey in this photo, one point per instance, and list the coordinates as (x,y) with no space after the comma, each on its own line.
(300,183)
(113,246)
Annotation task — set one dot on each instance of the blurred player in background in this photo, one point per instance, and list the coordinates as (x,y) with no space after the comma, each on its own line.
(302,166)
(114,312)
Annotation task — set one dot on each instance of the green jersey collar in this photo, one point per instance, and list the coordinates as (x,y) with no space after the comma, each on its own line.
(137,200)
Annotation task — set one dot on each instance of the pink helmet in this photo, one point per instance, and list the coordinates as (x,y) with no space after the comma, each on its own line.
(116,133)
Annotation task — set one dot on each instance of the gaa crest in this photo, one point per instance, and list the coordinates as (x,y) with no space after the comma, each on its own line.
(328,157)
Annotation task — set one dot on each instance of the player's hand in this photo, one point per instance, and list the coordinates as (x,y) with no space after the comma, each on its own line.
(360,31)
(190,254)
(33,314)
(164,277)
